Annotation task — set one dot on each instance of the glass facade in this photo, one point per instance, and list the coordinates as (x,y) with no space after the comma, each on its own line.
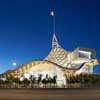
(83,54)
(86,53)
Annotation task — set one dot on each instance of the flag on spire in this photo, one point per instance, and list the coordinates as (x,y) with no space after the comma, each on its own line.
(52,13)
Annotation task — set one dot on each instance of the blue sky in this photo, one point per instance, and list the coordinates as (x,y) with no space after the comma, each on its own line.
(26,28)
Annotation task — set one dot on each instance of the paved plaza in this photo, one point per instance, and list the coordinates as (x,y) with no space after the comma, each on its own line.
(49,94)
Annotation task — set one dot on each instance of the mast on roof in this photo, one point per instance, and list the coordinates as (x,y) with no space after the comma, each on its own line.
(55,43)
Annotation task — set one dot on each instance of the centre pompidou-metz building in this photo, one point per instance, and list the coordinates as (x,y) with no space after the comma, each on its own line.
(59,62)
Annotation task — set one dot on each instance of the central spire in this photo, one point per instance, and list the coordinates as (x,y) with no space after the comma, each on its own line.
(55,43)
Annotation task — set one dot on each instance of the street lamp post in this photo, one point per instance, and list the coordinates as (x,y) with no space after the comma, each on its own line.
(14,64)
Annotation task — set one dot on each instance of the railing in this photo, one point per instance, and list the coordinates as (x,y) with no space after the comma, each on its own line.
(75,85)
